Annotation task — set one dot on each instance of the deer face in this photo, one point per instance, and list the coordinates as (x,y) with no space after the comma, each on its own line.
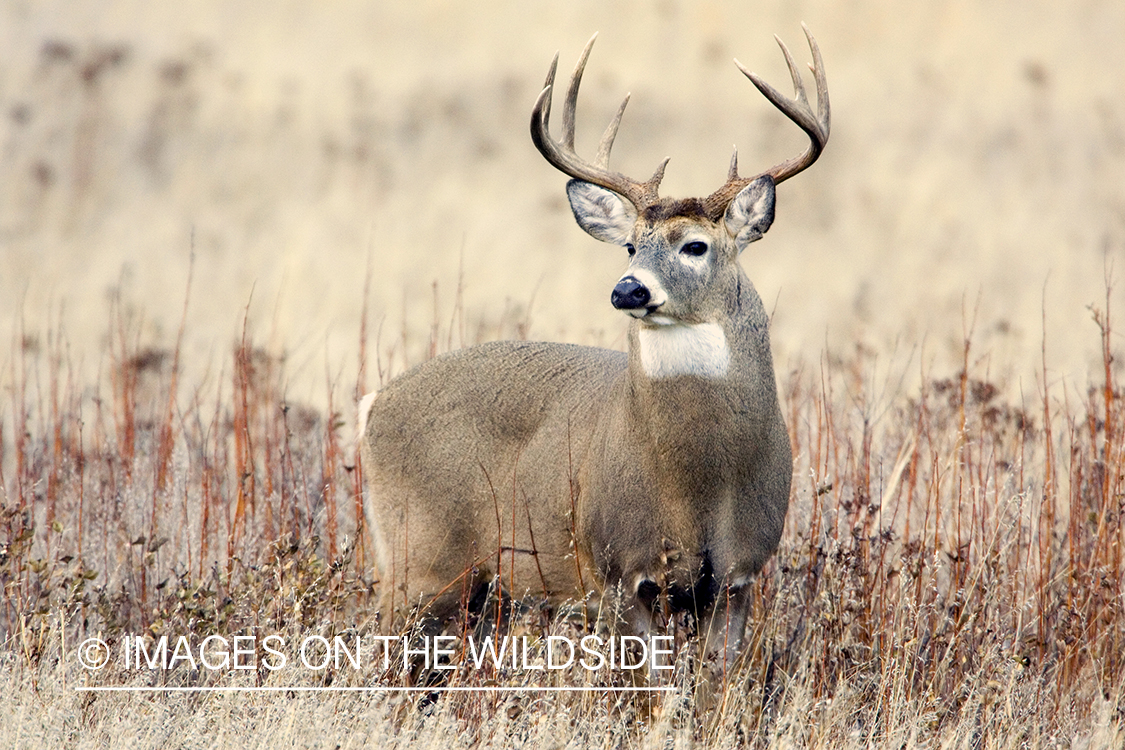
(683,264)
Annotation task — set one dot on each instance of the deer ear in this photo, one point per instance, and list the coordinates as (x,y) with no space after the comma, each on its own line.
(604,214)
(750,214)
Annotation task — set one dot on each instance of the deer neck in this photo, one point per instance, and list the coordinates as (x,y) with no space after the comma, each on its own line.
(683,350)
(731,345)
(702,370)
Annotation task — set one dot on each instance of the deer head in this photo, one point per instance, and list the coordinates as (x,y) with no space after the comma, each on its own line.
(675,244)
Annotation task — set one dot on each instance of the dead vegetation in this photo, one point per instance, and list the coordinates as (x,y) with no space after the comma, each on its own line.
(951,573)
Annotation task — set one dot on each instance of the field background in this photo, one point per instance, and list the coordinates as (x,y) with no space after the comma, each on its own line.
(977,154)
(340,189)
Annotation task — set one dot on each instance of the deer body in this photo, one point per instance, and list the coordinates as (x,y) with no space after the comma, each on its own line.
(658,479)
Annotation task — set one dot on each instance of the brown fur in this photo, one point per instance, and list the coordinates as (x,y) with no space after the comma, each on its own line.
(659,481)
(567,472)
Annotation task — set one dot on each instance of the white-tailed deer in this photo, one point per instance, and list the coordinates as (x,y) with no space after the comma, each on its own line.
(658,478)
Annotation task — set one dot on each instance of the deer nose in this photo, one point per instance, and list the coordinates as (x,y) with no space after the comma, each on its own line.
(629,294)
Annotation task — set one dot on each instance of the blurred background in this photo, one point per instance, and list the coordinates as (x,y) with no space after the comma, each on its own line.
(975,177)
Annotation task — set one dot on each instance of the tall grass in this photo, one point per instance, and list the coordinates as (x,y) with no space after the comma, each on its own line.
(951,572)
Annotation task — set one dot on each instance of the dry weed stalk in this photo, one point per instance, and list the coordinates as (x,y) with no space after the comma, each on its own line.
(951,570)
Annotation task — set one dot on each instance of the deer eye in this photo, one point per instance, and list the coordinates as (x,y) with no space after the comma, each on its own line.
(694,248)
(632,250)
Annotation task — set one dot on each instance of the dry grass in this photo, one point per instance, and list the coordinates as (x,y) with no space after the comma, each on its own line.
(976,148)
(951,573)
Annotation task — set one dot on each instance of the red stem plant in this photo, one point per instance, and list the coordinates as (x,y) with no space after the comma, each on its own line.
(951,565)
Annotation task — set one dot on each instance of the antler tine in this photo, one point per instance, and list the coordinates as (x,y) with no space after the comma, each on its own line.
(610,135)
(798,83)
(561,154)
(570,104)
(815,124)
(824,109)
(548,85)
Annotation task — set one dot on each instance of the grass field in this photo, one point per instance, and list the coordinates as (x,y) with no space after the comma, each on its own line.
(220,224)
(951,572)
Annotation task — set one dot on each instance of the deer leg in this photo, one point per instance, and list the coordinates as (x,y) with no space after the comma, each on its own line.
(726,626)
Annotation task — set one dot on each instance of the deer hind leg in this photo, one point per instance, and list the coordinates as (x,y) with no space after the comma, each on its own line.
(427,598)
(418,619)
(425,568)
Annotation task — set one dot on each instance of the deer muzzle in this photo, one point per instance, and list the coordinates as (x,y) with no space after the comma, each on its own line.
(630,294)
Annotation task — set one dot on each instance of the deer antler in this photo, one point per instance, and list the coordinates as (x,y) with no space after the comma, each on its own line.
(815,124)
(562,154)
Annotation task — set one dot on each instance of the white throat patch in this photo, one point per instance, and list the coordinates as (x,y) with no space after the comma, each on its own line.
(673,350)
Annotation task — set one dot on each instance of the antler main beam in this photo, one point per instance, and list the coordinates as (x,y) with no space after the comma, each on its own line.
(815,124)
(562,154)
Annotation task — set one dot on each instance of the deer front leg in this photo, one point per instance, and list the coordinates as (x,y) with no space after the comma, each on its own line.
(628,606)
(724,630)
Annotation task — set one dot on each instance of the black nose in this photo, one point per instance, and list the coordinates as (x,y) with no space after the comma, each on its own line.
(629,294)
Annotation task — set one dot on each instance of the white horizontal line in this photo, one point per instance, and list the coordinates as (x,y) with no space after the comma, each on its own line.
(374,689)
